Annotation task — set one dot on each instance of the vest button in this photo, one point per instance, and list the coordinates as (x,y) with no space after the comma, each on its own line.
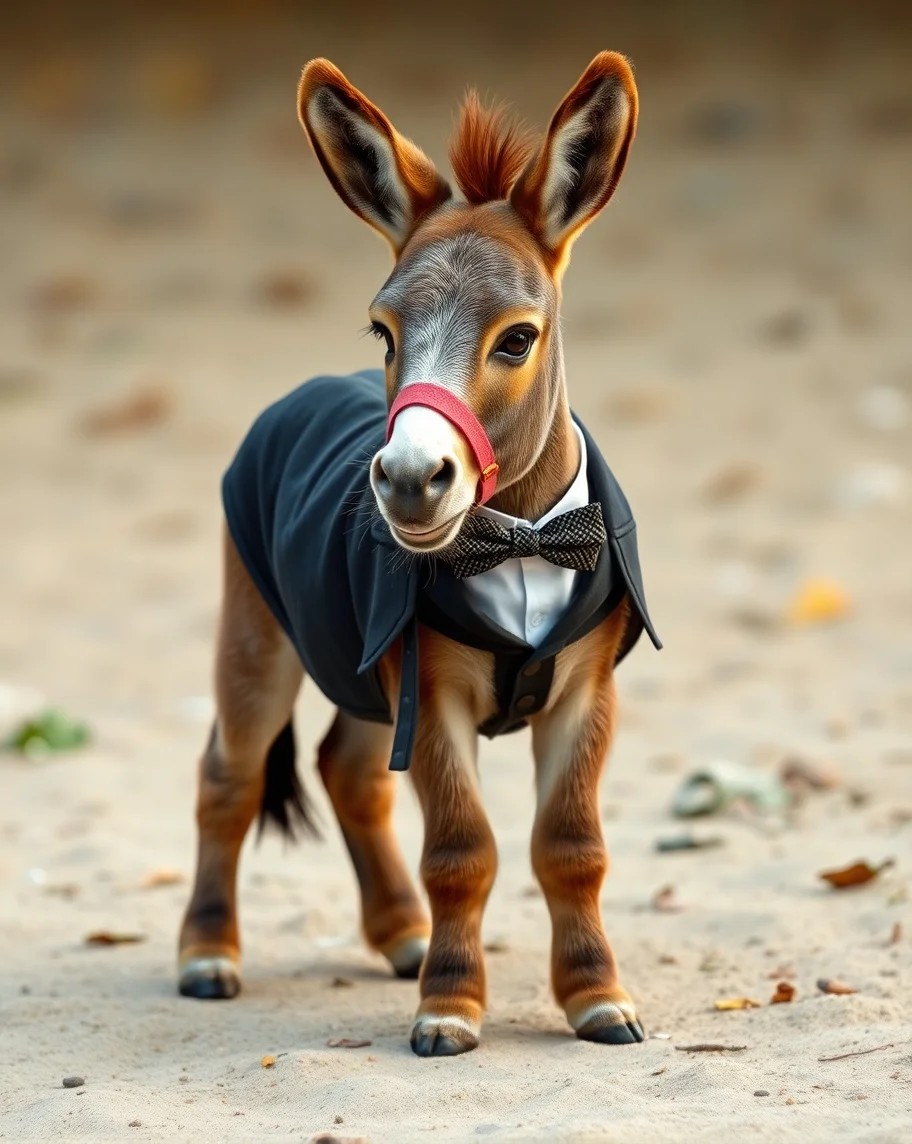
(532,669)
(526,703)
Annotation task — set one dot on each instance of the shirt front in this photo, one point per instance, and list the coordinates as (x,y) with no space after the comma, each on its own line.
(526,596)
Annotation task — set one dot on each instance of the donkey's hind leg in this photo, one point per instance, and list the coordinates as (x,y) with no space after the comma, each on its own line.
(258,675)
(354,766)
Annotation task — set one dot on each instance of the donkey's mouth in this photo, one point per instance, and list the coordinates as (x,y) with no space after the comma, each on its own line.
(427,539)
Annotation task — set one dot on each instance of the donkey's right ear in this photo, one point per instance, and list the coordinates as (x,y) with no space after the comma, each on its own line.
(379,174)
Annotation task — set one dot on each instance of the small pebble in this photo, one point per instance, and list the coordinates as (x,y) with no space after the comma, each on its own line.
(883,407)
(73,1081)
(789,327)
(762,1092)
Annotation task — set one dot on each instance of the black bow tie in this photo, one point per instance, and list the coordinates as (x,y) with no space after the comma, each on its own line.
(571,540)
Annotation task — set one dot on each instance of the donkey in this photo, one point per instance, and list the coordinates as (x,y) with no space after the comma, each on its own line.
(442,548)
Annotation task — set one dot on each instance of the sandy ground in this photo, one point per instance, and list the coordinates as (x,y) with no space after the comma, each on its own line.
(737,336)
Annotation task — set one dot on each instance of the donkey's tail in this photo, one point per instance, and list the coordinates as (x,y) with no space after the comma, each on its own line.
(285,803)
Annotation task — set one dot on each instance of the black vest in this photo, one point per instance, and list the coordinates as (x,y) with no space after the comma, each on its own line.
(302,515)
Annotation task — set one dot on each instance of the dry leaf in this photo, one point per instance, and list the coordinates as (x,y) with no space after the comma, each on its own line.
(268,1061)
(285,290)
(638,405)
(163,876)
(832,985)
(145,406)
(818,602)
(855,875)
(347,1043)
(65,294)
(726,1004)
(107,937)
(785,992)
(731,483)
(801,773)
(66,890)
(665,901)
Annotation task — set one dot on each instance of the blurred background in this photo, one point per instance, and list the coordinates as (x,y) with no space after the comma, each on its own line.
(737,323)
(737,330)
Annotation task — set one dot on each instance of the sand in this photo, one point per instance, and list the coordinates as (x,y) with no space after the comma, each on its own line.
(737,338)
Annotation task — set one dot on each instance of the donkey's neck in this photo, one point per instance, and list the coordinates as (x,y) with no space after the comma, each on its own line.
(552,474)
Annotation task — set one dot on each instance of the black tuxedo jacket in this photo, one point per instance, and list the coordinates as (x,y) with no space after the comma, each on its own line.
(302,515)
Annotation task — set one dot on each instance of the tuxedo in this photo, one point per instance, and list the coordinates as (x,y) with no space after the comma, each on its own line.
(302,515)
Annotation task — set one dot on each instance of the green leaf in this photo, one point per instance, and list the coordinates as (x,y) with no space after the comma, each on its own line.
(51,730)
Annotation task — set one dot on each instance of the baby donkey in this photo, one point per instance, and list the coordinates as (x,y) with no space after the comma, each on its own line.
(442,548)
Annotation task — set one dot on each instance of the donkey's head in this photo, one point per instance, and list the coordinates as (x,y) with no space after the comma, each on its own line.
(471,306)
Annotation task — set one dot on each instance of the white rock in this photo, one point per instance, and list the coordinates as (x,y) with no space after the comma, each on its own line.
(883,407)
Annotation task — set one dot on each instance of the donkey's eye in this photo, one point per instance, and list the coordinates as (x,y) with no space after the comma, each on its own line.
(515,344)
(381,333)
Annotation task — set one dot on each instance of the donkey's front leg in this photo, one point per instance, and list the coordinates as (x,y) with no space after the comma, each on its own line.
(458,867)
(568,855)
(257,678)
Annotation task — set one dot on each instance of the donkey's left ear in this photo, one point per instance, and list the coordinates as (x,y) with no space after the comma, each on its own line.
(581,160)
(378,173)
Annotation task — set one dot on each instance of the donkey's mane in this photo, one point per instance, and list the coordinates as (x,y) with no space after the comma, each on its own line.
(488,150)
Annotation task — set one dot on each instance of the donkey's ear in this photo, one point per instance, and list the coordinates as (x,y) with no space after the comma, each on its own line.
(382,176)
(575,171)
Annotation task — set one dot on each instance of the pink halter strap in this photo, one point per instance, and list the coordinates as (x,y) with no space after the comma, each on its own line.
(457,413)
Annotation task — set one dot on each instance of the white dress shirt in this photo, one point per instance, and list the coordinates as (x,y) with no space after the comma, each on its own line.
(528,595)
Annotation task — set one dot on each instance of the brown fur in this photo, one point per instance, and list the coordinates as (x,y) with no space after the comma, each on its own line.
(488,150)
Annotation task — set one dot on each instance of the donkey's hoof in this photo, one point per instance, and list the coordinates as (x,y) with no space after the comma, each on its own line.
(611,1024)
(407,957)
(442,1037)
(210,979)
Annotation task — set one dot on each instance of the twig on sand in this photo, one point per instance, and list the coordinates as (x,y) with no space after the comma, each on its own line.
(710,1048)
(859,1053)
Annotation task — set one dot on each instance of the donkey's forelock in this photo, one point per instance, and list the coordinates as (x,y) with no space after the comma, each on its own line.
(489,150)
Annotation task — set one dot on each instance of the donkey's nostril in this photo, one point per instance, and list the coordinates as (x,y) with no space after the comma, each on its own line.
(380,474)
(444,476)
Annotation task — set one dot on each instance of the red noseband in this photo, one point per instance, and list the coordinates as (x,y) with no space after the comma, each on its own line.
(457,413)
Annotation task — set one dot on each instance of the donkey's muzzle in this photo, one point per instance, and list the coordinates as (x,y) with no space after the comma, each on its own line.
(412,489)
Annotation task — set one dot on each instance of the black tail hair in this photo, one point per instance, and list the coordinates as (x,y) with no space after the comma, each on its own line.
(285,803)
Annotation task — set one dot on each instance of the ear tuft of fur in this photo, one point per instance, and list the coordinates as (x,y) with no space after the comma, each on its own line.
(488,151)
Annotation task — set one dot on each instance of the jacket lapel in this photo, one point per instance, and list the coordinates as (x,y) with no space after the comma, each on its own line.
(389,584)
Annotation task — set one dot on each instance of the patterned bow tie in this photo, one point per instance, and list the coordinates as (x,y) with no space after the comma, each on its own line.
(571,540)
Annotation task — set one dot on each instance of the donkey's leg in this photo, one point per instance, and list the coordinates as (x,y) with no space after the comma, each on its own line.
(458,867)
(258,675)
(569,858)
(354,766)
